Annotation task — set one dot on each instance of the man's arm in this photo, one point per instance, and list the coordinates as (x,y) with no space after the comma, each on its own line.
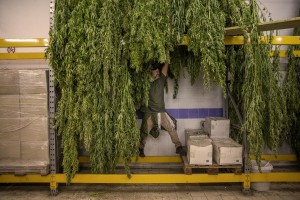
(165,68)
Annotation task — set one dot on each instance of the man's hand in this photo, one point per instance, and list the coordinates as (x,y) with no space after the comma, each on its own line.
(165,68)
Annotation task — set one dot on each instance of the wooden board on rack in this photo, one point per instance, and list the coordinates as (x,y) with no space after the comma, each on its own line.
(267,26)
(211,169)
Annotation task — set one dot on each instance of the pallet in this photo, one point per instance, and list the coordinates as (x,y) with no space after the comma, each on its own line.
(211,169)
(20,170)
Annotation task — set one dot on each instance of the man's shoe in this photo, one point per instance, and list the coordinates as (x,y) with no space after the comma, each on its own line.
(180,151)
(142,154)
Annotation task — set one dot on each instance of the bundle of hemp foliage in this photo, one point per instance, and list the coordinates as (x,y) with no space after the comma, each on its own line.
(292,93)
(255,85)
(101,54)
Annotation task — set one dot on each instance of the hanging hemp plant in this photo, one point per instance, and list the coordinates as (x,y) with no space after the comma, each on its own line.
(262,96)
(151,36)
(60,53)
(292,93)
(89,56)
(150,32)
(276,105)
(205,22)
(178,25)
(255,84)
(179,61)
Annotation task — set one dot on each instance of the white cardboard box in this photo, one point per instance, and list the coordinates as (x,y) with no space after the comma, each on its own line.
(34,129)
(200,151)
(194,134)
(34,105)
(226,151)
(35,151)
(10,150)
(9,106)
(33,81)
(217,127)
(10,129)
(9,82)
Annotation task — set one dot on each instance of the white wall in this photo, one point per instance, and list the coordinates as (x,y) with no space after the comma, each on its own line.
(24,18)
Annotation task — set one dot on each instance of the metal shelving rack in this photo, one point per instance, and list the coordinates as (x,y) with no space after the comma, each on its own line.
(54,178)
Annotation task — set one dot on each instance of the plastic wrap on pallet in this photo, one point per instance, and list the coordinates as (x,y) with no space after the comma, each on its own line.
(10,106)
(24,137)
(23,167)
(23,82)
(35,151)
(10,150)
(34,105)
(9,82)
(9,129)
(24,129)
(31,105)
(33,82)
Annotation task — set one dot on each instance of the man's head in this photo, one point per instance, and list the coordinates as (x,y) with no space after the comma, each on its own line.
(155,70)
(155,73)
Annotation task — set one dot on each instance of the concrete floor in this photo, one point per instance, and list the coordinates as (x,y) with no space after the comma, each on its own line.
(284,191)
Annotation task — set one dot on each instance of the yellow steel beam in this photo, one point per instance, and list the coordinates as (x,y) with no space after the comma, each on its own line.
(275,177)
(40,42)
(21,56)
(239,40)
(282,54)
(148,159)
(34,42)
(276,40)
(279,157)
(153,178)
(228,40)
(122,178)
(30,178)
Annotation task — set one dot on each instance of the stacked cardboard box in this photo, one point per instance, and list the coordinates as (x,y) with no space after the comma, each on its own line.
(226,151)
(193,134)
(199,147)
(213,144)
(24,137)
(217,127)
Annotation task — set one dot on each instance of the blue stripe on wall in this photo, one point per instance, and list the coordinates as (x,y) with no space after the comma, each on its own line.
(191,113)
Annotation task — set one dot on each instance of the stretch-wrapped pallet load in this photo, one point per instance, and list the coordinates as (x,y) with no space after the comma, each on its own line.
(24,138)
(217,127)
(226,151)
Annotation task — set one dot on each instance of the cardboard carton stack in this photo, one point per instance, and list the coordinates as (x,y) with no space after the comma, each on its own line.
(226,151)
(199,147)
(213,144)
(24,142)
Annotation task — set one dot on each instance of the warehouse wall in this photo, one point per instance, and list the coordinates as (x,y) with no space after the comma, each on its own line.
(24,20)
(30,19)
